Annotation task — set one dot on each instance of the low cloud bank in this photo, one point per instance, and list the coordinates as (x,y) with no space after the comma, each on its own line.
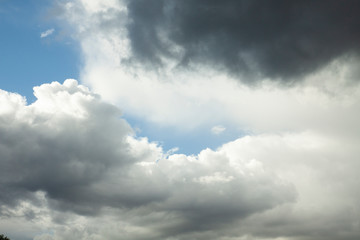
(70,153)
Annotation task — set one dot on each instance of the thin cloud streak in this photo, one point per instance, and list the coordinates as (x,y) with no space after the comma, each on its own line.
(47,33)
(218,129)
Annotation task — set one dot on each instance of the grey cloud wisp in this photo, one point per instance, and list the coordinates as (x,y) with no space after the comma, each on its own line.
(282,40)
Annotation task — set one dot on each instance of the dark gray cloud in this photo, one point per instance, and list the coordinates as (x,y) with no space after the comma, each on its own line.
(282,40)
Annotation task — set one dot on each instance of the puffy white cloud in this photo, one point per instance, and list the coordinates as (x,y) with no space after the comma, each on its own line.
(71,167)
(68,161)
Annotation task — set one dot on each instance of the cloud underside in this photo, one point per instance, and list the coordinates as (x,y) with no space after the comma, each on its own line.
(69,155)
(283,41)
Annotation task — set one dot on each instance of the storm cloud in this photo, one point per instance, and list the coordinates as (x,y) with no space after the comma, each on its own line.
(281,40)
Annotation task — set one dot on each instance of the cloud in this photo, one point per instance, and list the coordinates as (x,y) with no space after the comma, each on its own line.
(292,173)
(49,145)
(71,166)
(47,33)
(69,155)
(284,41)
(218,129)
(312,163)
(174,96)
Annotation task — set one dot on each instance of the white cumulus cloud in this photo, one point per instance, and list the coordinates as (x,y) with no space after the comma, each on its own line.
(69,155)
(71,166)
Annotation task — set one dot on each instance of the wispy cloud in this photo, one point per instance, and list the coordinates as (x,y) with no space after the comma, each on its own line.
(217,129)
(47,33)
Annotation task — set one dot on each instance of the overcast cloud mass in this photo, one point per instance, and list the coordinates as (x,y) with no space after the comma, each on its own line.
(281,39)
(281,75)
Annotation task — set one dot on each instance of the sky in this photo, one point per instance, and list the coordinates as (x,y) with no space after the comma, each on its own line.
(179,119)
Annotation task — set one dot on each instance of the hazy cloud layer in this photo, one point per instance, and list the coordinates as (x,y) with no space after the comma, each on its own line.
(281,39)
